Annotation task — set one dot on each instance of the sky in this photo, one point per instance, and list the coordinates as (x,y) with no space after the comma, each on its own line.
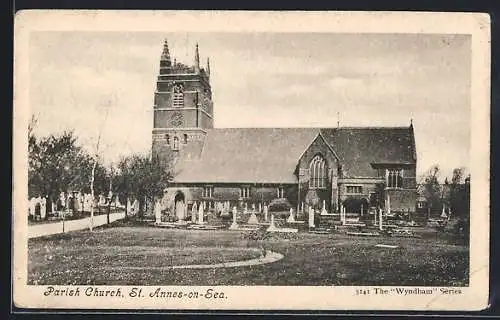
(259,80)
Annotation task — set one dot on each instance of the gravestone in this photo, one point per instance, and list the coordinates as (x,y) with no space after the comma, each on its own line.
(32,205)
(234,225)
(157,211)
(43,207)
(311,217)
(272,226)
(380,219)
(323,211)
(290,217)
(194,212)
(266,209)
(200,213)
(253,219)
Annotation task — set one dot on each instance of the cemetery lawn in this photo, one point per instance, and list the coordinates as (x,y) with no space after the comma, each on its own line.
(122,254)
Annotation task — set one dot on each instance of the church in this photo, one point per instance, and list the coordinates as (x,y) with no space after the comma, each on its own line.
(358,168)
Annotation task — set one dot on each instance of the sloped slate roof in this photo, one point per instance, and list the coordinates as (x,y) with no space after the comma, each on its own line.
(248,155)
(271,155)
(359,148)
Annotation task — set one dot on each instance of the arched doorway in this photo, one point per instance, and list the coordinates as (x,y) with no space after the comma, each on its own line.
(180,206)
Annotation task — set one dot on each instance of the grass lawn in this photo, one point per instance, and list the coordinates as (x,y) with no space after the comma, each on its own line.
(134,255)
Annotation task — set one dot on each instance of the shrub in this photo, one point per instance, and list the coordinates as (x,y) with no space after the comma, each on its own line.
(279,205)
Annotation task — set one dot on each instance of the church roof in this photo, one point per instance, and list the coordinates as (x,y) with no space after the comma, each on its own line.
(271,155)
(248,155)
(361,147)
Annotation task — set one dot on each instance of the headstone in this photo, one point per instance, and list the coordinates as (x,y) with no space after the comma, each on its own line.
(194,212)
(443,213)
(311,217)
(32,205)
(260,207)
(157,211)
(234,225)
(253,219)
(200,213)
(62,197)
(129,206)
(388,204)
(266,209)
(290,217)
(380,219)
(272,226)
(323,211)
(43,207)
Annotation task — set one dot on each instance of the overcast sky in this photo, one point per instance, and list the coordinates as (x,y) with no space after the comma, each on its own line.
(260,80)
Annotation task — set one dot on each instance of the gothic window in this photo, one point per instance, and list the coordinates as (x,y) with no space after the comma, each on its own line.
(281,192)
(354,189)
(318,173)
(208,191)
(167,137)
(245,192)
(185,138)
(394,178)
(176,143)
(178,96)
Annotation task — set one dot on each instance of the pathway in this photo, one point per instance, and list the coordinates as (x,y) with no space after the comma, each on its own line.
(268,258)
(46,229)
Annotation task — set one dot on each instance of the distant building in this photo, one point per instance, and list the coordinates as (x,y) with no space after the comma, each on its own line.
(358,167)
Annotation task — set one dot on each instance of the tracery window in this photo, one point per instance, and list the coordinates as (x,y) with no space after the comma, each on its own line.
(244,192)
(208,191)
(318,172)
(281,192)
(394,178)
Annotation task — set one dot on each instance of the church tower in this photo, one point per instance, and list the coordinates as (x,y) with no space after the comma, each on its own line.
(183,107)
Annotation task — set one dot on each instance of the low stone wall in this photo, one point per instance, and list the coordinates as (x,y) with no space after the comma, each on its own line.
(46,229)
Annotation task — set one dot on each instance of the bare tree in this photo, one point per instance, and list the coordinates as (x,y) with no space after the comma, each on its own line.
(96,156)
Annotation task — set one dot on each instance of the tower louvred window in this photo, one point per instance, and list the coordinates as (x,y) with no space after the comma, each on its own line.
(178,96)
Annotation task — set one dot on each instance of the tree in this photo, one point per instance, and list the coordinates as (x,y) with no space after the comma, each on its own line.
(142,178)
(55,165)
(459,194)
(431,188)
